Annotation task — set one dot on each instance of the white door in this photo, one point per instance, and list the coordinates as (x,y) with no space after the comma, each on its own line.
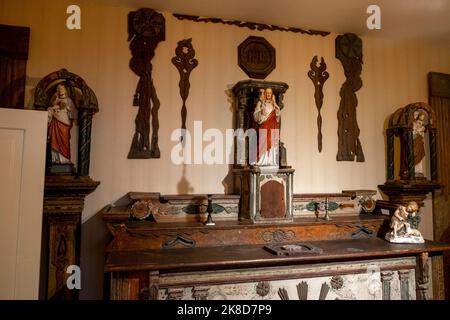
(22,173)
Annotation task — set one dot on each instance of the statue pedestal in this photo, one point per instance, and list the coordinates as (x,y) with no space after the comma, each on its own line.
(63,204)
(404,239)
(400,192)
(266,193)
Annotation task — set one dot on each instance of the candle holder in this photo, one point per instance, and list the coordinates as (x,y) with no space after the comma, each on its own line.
(327,214)
(209,221)
(317,210)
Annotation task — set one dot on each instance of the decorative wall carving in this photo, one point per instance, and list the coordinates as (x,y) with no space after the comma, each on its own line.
(256,57)
(251,25)
(318,76)
(184,61)
(349,52)
(146,28)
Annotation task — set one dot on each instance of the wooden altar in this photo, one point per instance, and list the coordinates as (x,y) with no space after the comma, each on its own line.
(235,259)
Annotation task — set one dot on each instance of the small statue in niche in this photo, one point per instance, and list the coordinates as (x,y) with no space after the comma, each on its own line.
(401,230)
(61,114)
(419,142)
(267,118)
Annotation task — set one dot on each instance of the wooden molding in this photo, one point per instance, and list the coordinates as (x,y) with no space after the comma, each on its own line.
(251,25)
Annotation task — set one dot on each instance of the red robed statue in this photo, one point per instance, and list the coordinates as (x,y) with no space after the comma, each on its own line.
(267,118)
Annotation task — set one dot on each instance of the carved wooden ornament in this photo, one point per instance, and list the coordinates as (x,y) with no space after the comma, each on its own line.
(349,52)
(251,25)
(256,57)
(184,61)
(318,76)
(146,28)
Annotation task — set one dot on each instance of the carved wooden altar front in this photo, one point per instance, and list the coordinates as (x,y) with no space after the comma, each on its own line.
(180,258)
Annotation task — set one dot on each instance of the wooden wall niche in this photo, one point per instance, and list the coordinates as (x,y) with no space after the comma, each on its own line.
(85,104)
(411,124)
(65,188)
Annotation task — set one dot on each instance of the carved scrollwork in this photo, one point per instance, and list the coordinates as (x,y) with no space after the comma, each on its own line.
(263,288)
(278,236)
(200,293)
(362,232)
(179,239)
(337,282)
(140,210)
(175,293)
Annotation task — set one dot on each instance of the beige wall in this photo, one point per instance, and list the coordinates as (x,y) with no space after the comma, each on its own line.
(394,74)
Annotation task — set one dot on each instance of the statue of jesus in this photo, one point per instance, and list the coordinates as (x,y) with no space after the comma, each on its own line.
(267,118)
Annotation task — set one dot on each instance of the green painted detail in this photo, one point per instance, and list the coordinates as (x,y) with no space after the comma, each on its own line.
(332,205)
(311,206)
(195,209)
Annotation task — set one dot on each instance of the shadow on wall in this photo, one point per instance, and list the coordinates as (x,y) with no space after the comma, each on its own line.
(94,237)
(183,186)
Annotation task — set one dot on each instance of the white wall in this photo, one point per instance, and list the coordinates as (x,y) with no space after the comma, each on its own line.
(394,74)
